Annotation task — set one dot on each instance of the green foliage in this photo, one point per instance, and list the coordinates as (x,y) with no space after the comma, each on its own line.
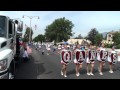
(98,38)
(95,37)
(108,45)
(92,35)
(39,38)
(118,46)
(116,38)
(60,29)
(79,37)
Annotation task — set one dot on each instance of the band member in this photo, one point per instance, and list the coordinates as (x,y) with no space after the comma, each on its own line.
(66,57)
(68,46)
(112,59)
(48,49)
(79,58)
(39,47)
(103,54)
(43,52)
(90,59)
(54,49)
(60,47)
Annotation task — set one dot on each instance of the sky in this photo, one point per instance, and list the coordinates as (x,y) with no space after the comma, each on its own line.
(84,21)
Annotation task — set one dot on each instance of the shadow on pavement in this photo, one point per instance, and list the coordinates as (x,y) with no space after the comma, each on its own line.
(82,72)
(49,72)
(30,69)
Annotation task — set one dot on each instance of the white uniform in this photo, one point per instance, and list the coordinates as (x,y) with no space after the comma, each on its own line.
(118,58)
(59,47)
(39,46)
(62,46)
(48,47)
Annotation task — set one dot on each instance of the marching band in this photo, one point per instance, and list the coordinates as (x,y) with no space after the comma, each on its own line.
(88,55)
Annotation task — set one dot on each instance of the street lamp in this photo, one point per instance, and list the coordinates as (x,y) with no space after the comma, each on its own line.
(30,17)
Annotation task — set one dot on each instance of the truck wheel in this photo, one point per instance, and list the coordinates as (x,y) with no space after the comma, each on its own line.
(11,71)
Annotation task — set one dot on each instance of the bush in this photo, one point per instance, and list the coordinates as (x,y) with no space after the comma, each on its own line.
(108,45)
(118,46)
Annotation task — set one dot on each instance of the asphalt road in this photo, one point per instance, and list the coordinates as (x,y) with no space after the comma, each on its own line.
(49,67)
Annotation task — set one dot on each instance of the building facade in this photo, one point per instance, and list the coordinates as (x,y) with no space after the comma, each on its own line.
(83,42)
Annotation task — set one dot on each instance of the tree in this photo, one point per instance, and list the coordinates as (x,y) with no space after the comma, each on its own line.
(116,38)
(92,35)
(40,38)
(79,37)
(60,29)
(27,33)
(98,39)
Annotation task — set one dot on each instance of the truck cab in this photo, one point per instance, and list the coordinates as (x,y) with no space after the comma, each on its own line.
(8,48)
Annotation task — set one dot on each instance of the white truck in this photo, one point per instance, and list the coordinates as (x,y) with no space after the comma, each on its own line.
(8,46)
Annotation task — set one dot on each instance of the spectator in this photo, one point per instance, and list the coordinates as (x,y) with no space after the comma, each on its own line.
(25,55)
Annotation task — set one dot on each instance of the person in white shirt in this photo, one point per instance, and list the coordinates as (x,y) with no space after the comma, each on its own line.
(39,47)
(25,55)
(59,47)
(48,49)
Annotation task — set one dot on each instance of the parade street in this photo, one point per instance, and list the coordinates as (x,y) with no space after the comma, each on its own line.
(49,67)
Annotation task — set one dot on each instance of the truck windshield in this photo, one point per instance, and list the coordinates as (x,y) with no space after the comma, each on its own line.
(2,26)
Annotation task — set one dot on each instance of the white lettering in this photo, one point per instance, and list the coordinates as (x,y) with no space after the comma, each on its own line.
(105,55)
(80,56)
(93,55)
(66,57)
